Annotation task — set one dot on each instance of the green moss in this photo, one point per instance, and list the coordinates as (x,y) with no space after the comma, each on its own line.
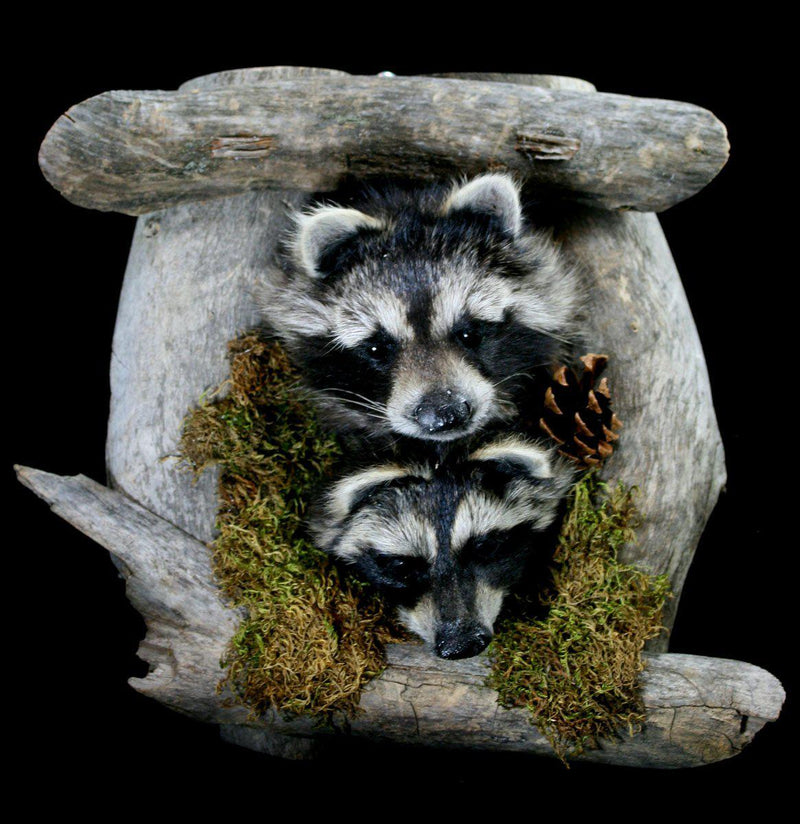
(577,668)
(311,638)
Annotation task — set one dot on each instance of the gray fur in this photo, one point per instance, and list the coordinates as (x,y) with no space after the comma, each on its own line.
(435,517)
(302,306)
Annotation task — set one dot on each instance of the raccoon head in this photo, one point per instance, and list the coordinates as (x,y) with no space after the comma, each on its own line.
(446,543)
(422,314)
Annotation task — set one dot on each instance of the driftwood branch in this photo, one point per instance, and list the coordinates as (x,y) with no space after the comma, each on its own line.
(136,152)
(698,709)
(169,582)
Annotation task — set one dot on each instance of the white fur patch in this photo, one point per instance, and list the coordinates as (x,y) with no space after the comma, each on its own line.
(488,602)
(340,499)
(361,314)
(291,311)
(548,299)
(479,513)
(411,535)
(461,292)
(421,619)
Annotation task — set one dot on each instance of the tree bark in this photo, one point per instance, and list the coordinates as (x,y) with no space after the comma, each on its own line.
(138,152)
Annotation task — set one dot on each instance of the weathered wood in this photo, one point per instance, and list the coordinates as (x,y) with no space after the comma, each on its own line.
(256,76)
(186,293)
(542,81)
(198,290)
(139,151)
(169,582)
(698,709)
(194,268)
(670,446)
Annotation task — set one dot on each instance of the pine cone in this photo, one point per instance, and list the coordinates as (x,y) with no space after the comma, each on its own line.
(577,413)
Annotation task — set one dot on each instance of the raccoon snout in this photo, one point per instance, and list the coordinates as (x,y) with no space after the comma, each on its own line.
(461,639)
(441,411)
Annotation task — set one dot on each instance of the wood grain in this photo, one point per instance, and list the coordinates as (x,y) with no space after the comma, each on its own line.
(140,151)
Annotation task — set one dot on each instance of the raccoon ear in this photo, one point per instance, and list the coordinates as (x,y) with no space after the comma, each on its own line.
(321,232)
(346,494)
(526,456)
(494,195)
(504,460)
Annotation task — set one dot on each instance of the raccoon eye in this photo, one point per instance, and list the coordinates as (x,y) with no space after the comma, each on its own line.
(493,547)
(398,571)
(469,338)
(470,333)
(484,548)
(394,565)
(379,349)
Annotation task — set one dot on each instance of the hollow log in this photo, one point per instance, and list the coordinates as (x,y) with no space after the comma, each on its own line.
(193,266)
(141,151)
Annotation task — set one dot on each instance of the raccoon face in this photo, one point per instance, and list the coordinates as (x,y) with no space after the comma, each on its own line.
(422,315)
(445,543)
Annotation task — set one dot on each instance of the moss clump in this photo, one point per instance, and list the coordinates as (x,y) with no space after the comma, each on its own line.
(311,638)
(577,668)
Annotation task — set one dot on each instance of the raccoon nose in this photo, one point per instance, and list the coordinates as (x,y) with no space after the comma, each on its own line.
(441,411)
(461,639)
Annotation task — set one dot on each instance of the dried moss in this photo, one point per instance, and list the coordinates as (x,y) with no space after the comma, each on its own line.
(577,668)
(311,638)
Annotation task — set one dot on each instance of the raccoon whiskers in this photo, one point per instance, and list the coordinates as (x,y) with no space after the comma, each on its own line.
(550,334)
(506,404)
(505,409)
(527,375)
(340,394)
(332,346)
(299,388)
(376,410)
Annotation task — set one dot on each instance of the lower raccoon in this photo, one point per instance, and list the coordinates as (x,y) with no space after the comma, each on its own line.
(422,314)
(446,542)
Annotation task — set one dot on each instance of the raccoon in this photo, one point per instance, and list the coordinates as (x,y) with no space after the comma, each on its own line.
(446,542)
(422,314)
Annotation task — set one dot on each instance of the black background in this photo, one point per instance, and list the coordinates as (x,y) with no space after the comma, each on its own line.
(72,637)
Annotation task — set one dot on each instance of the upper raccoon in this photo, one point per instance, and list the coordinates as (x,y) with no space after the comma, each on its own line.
(446,541)
(422,314)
